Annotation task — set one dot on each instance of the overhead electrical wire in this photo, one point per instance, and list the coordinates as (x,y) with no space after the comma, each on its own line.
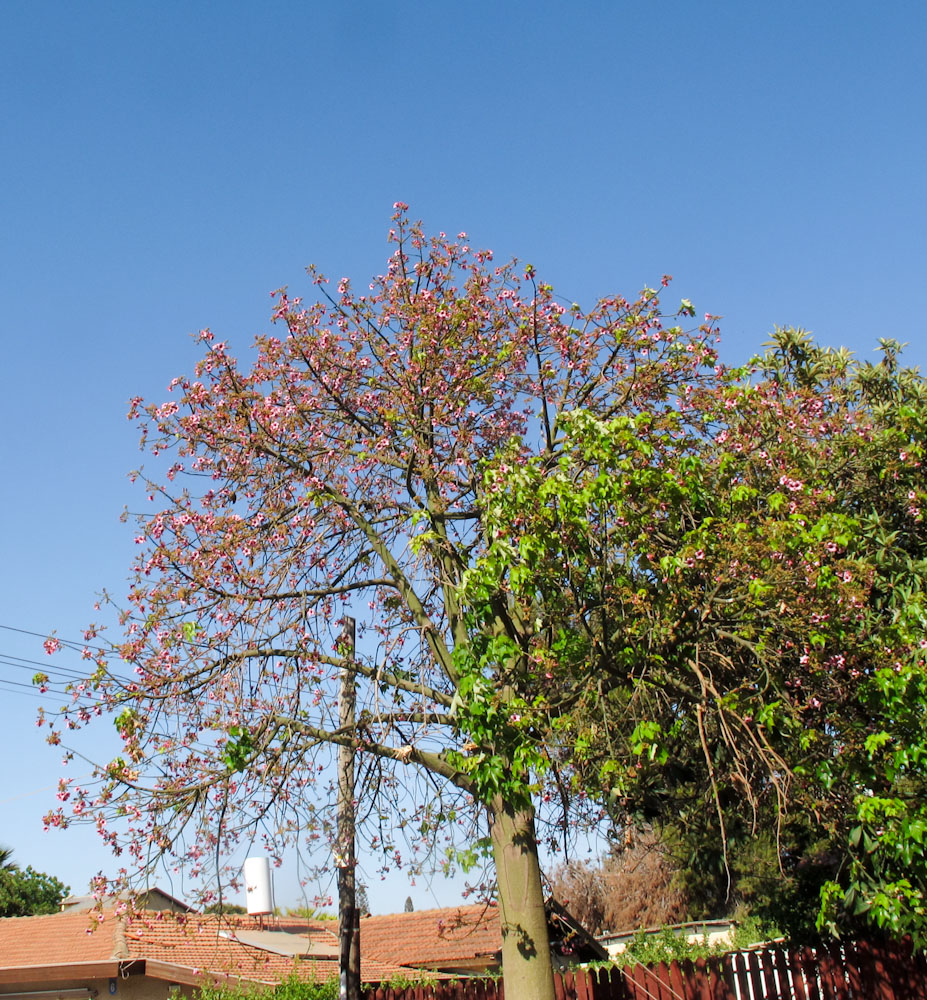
(24,663)
(47,667)
(72,643)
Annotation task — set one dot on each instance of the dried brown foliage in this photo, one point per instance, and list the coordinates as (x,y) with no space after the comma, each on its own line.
(633,886)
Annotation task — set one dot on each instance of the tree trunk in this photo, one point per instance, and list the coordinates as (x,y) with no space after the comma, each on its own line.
(526,966)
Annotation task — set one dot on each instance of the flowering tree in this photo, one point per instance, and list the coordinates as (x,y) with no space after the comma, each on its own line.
(344,473)
(744,579)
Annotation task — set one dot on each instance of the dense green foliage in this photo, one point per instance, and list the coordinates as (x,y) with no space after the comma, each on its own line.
(293,988)
(298,988)
(731,592)
(672,945)
(24,892)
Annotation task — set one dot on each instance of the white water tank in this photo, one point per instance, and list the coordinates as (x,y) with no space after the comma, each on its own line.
(259,889)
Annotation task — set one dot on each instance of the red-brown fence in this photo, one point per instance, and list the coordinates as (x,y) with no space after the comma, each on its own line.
(853,971)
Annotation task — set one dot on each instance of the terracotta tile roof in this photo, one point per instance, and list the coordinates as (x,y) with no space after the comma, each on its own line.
(188,947)
(182,949)
(435,938)
(56,939)
(209,943)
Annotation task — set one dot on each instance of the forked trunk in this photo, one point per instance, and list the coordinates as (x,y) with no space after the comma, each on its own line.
(526,966)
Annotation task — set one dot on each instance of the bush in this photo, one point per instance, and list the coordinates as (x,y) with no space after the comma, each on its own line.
(292,988)
(668,946)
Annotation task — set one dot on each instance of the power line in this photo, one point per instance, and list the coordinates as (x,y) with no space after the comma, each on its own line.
(23,659)
(45,788)
(48,668)
(73,643)
(23,684)
(58,676)
(6,660)
(25,694)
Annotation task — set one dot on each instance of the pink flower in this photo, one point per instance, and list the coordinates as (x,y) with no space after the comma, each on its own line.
(52,645)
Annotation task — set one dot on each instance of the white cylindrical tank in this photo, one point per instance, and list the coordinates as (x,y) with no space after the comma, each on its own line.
(259,889)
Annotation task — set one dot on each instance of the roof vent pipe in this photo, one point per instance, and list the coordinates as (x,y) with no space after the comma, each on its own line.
(259,890)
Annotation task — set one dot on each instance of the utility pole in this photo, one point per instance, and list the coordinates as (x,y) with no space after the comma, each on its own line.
(348,916)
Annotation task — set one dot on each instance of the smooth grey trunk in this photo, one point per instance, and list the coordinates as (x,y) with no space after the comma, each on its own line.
(526,965)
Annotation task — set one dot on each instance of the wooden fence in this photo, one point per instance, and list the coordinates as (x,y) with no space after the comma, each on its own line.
(853,971)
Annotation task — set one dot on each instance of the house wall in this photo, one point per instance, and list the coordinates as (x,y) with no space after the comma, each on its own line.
(718,936)
(128,988)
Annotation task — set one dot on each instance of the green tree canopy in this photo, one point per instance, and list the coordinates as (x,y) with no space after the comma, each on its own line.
(24,892)
(737,600)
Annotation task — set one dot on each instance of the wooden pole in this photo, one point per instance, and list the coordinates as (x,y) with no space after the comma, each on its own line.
(348,916)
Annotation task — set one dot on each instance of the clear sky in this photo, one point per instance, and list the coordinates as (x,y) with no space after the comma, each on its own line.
(164,166)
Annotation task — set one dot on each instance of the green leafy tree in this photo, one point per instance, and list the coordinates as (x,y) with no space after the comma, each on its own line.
(735,592)
(308,913)
(24,892)
(230,908)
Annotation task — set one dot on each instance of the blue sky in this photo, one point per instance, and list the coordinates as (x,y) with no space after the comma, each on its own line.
(164,166)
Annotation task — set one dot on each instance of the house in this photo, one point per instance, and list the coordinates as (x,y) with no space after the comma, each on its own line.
(467,940)
(464,940)
(150,955)
(146,899)
(715,933)
(147,955)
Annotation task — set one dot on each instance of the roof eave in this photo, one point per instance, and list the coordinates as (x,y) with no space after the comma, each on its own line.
(65,972)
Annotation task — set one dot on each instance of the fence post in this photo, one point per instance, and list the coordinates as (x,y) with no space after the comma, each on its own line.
(833,972)
(725,978)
